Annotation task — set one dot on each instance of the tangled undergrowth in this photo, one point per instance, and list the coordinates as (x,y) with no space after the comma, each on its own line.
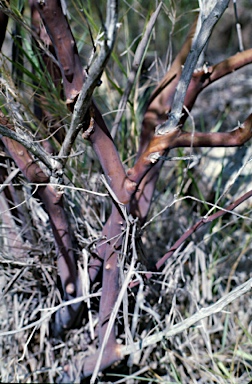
(212,263)
(211,270)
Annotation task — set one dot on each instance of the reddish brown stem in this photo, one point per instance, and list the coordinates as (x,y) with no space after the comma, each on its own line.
(64,44)
(41,104)
(141,201)
(122,187)
(108,156)
(110,290)
(160,106)
(96,260)
(162,97)
(238,136)
(53,202)
(208,75)
(110,277)
(156,113)
(178,138)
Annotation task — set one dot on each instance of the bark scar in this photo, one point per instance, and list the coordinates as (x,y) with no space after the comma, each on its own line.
(87,133)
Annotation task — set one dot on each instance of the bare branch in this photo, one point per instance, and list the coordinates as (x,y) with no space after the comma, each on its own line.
(205,76)
(92,80)
(26,140)
(177,138)
(234,138)
(191,61)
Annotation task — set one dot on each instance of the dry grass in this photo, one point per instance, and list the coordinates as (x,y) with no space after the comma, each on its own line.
(212,264)
(211,268)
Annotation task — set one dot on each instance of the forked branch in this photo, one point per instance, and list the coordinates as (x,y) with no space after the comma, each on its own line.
(198,45)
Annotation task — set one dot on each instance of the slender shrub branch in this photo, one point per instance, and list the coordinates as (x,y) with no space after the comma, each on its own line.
(92,80)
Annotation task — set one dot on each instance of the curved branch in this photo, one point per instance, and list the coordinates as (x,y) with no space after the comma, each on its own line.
(177,138)
(238,136)
(207,75)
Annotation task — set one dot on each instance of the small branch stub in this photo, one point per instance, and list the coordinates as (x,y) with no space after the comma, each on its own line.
(154,157)
(86,134)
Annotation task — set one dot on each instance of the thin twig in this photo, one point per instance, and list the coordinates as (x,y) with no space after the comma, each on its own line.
(138,59)
(26,140)
(50,312)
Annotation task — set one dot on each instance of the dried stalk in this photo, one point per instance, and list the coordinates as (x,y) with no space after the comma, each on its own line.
(138,58)
(187,323)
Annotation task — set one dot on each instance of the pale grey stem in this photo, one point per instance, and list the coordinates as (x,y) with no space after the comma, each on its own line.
(238,28)
(191,61)
(92,79)
(26,140)
(187,323)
